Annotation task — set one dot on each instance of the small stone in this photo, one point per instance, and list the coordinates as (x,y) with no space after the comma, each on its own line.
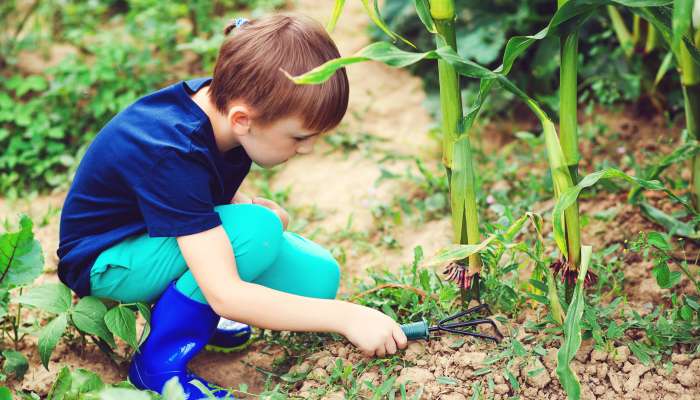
(640,369)
(601,371)
(584,351)
(342,352)
(498,379)
(621,355)
(687,378)
(682,359)
(320,354)
(501,388)
(599,390)
(550,359)
(339,395)
(414,351)
(632,383)
(318,374)
(323,361)
(539,379)
(300,369)
(415,375)
(471,359)
(615,381)
(598,355)
(453,396)
(369,376)
(627,367)
(673,388)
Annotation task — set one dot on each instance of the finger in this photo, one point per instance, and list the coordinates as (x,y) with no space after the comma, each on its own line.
(381,351)
(400,337)
(266,202)
(390,346)
(284,216)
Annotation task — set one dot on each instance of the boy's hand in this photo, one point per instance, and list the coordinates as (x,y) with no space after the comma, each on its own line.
(281,212)
(373,332)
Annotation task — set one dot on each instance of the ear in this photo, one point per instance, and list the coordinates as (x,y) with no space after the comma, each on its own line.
(239,118)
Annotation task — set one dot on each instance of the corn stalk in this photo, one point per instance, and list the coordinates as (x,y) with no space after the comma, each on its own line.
(457,154)
(678,27)
(568,133)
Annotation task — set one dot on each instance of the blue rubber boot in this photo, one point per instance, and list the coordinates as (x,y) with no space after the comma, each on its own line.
(180,328)
(230,336)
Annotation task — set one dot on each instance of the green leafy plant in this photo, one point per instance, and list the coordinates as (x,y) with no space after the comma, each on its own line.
(89,316)
(21,262)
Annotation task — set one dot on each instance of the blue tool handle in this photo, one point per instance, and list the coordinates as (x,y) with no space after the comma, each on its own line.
(416,330)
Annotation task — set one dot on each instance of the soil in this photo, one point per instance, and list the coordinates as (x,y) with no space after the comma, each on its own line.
(387,103)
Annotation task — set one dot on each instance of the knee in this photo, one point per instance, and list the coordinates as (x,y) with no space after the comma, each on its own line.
(255,233)
(329,278)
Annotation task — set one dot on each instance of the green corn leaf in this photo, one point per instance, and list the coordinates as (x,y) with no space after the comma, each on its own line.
(572,332)
(684,152)
(121,321)
(570,195)
(663,68)
(88,316)
(51,297)
(621,31)
(375,16)
(21,258)
(5,393)
(49,336)
(461,183)
(681,23)
(423,11)
(553,296)
(674,226)
(337,10)
(457,252)
(661,18)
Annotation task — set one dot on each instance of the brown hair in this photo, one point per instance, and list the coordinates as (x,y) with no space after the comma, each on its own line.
(250,63)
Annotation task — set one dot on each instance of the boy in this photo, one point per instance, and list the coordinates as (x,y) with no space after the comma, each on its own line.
(154,214)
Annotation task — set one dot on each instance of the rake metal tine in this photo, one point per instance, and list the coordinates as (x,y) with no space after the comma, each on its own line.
(465,312)
(475,334)
(473,322)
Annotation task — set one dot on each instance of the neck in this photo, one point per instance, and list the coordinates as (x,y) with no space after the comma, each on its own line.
(225,139)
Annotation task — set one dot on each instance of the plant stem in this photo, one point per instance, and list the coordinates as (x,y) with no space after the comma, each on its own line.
(443,14)
(15,327)
(690,79)
(568,133)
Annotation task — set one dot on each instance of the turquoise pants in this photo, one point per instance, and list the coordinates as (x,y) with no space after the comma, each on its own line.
(141,267)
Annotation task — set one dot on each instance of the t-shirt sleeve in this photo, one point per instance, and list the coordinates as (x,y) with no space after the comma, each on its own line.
(175,197)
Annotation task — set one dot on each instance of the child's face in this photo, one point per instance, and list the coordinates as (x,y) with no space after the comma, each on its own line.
(277,142)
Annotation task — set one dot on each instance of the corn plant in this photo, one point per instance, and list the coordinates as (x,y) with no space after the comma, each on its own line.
(679,26)
(568,131)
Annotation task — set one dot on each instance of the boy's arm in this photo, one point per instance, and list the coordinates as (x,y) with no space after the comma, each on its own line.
(210,258)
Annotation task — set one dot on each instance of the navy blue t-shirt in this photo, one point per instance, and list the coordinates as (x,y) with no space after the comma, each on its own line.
(153,168)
